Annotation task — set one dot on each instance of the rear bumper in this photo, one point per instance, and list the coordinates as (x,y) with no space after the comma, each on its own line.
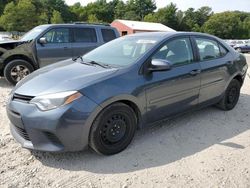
(63,129)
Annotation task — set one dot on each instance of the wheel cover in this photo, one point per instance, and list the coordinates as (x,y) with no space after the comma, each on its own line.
(18,72)
(114,129)
(232,95)
(238,49)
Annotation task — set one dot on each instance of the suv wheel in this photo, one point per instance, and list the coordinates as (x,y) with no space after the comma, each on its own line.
(231,96)
(16,70)
(113,129)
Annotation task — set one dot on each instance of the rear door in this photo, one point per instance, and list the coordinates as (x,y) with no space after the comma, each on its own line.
(57,48)
(177,89)
(85,40)
(214,60)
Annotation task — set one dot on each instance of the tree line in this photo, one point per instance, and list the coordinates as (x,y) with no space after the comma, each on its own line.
(22,15)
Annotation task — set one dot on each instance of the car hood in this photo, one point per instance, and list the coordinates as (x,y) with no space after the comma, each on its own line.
(11,44)
(9,41)
(63,76)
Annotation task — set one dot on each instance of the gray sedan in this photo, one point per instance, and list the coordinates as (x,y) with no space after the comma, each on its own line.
(101,98)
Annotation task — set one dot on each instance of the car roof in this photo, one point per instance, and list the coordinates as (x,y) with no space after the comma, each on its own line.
(170,34)
(78,25)
(167,35)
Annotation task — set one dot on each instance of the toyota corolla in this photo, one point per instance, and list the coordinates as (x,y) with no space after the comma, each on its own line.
(100,99)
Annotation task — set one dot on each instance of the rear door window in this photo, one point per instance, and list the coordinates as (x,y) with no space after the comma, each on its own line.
(108,35)
(86,35)
(209,49)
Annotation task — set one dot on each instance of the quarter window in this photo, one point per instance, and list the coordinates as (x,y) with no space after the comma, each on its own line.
(60,35)
(108,35)
(87,35)
(208,49)
(178,52)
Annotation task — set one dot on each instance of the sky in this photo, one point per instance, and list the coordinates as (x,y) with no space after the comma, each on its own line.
(217,5)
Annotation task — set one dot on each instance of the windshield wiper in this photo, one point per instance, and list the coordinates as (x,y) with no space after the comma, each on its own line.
(99,64)
(91,63)
(76,58)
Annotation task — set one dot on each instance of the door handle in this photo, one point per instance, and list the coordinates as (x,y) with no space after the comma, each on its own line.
(65,48)
(195,72)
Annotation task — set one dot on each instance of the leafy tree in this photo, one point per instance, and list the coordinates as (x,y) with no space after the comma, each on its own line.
(120,10)
(225,25)
(56,18)
(43,18)
(203,14)
(141,7)
(166,16)
(100,9)
(131,15)
(151,18)
(19,17)
(3,3)
(93,19)
(59,5)
(78,12)
(246,28)
(22,15)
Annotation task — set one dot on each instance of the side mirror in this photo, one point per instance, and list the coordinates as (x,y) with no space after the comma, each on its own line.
(159,65)
(42,40)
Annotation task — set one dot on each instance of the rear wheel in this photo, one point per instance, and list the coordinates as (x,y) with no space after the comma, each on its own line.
(16,70)
(113,129)
(238,50)
(231,96)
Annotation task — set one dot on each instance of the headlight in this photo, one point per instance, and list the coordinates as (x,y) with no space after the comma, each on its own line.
(52,101)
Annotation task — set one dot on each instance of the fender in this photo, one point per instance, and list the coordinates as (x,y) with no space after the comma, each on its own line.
(24,51)
(100,107)
(123,97)
(3,50)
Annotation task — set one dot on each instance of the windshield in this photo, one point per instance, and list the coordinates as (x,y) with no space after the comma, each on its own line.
(123,51)
(32,34)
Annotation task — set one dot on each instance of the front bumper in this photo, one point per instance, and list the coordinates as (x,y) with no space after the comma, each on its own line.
(62,129)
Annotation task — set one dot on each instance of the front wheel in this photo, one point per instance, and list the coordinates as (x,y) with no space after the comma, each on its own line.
(113,129)
(16,70)
(231,96)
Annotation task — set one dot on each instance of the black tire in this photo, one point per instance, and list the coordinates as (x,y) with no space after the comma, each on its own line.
(16,70)
(231,96)
(113,129)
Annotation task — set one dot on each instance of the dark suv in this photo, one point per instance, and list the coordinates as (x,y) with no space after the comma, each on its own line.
(46,44)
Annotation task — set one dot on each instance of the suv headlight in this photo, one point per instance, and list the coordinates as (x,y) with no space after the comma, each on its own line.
(52,101)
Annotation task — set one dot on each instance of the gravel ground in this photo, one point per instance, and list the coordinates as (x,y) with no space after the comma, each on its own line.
(208,148)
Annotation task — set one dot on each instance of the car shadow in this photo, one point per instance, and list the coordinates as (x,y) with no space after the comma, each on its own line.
(5,84)
(160,145)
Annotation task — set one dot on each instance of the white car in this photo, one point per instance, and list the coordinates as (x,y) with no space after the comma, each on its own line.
(5,37)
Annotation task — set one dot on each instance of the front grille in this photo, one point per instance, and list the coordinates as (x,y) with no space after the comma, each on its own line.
(22,98)
(22,133)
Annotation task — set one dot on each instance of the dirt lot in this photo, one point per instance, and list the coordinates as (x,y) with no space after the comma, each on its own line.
(208,148)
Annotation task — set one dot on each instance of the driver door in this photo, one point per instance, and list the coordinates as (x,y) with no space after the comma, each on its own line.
(57,48)
(176,90)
